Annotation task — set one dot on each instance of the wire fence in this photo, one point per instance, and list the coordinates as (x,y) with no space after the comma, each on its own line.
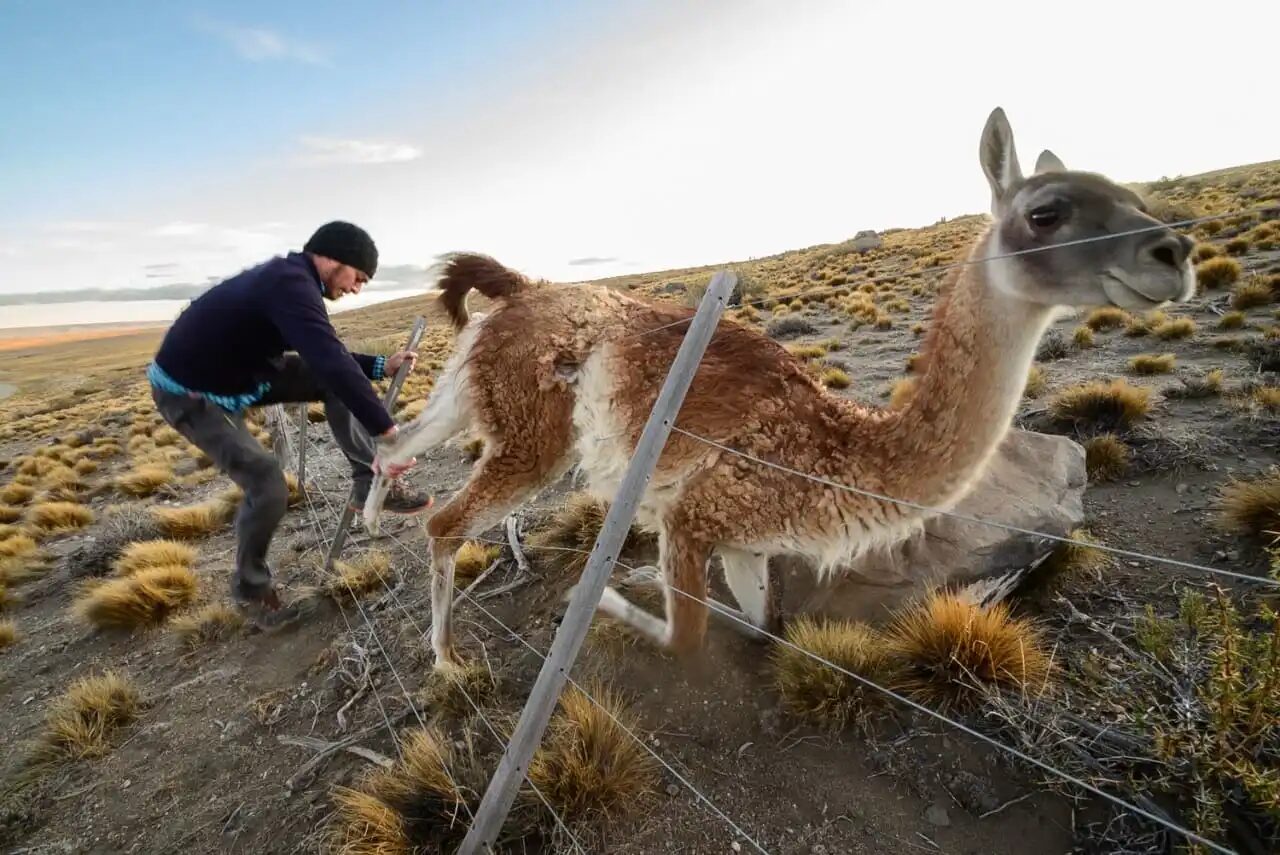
(850,489)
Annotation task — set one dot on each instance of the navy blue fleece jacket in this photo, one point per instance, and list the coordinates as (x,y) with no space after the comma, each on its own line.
(226,341)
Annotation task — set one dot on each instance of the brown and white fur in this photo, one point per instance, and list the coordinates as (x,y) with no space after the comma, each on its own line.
(558,375)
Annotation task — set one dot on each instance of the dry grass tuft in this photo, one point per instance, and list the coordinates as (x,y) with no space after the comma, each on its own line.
(575,527)
(836,378)
(589,767)
(1250,507)
(1036,382)
(144,480)
(1102,403)
(473,558)
(455,690)
(82,721)
(1217,272)
(145,599)
(1232,321)
(10,514)
(1107,318)
(358,577)
(950,652)
(1175,329)
(146,554)
(1149,363)
(9,634)
(416,805)
(49,518)
(17,494)
(1267,398)
(1083,337)
(1077,557)
(819,693)
(85,467)
(214,622)
(195,521)
(1106,457)
(901,392)
(1251,294)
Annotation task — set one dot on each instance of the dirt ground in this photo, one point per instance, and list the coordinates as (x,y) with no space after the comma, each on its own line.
(213,763)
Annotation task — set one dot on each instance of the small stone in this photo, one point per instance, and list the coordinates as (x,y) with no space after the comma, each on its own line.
(1233,555)
(673,790)
(1182,489)
(936,814)
(735,846)
(127,784)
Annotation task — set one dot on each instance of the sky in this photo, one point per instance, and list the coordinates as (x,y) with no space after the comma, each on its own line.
(174,143)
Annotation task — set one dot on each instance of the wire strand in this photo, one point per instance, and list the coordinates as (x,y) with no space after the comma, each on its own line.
(942,268)
(1262,580)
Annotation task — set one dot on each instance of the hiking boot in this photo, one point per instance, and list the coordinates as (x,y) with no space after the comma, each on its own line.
(401,499)
(265,610)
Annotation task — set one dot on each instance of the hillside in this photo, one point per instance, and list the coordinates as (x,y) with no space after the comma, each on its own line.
(1164,686)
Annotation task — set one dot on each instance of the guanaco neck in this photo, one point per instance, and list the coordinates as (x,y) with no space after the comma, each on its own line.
(980,347)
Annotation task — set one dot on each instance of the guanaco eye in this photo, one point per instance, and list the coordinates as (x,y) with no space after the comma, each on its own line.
(1045,217)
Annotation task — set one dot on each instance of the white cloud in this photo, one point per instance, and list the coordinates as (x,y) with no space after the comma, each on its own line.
(324,150)
(258,43)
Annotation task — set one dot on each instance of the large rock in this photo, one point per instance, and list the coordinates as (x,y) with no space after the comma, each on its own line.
(1036,482)
(866,240)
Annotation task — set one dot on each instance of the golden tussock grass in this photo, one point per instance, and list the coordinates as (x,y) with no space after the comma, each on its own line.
(412,410)
(1250,507)
(1251,295)
(48,518)
(1232,321)
(588,767)
(10,514)
(1138,327)
(1102,402)
(145,479)
(415,805)
(1107,318)
(214,622)
(145,554)
(474,448)
(1150,363)
(1217,272)
(1106,457)
(19,569)
(454,690)
(195,521)
(8,599)
(85,467)
(1083,337)
(1204,252)
(358,577)
(473,558)
(807,351)
(17,545)
(901,392)
(575,527)
(1267,398)
(145,599)
(17,494)
(949,652)
(819,693)
(1078,556)
(1036,382)
(836,378)
(82,721)
(1175,329)
(166,435)
(9,634)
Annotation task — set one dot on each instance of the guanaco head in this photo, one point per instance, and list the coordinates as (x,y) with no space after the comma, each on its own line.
(1078,234)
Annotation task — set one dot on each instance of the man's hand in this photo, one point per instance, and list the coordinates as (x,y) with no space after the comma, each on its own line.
(396,359)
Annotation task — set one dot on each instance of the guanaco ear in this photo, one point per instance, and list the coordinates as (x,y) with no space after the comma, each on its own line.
(999,158)
(1048,162)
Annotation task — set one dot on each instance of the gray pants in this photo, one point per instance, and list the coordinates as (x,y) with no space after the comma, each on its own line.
(225,438)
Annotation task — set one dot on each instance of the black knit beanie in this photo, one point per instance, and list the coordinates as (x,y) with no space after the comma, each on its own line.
(346,243)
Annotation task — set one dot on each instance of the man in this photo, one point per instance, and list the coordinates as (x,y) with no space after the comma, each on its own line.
(226,352)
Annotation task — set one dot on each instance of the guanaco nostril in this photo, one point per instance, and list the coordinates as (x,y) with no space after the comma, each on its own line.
(1164,255)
